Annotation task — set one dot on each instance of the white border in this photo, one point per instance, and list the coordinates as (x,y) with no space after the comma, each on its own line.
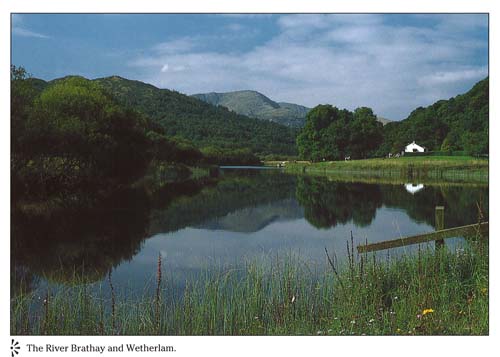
(250,346)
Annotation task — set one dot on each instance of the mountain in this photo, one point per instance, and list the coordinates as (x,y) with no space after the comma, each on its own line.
(257,105)
(255,218)
(195,120)
(383,120)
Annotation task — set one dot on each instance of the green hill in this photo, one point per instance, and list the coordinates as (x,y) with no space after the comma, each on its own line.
(257,105)
(457,124)
(195,120)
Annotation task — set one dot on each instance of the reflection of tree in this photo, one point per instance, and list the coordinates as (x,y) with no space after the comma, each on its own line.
(327,204)
(81,242)
(459,202)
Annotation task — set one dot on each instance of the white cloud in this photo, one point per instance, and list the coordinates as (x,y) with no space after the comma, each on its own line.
(19,29)
(180,45)
(451,77)
(345,60)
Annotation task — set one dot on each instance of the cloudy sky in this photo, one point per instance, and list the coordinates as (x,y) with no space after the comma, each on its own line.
(392,63)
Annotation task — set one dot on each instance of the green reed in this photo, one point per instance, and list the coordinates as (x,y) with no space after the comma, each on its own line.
(442,292)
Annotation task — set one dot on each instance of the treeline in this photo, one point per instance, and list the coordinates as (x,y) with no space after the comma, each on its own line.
(332,134)
(459,124)
(201,123)
(72,135)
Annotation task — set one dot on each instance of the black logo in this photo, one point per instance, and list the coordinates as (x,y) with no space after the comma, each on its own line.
(14,348)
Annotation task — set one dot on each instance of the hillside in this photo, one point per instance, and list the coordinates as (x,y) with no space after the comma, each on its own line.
(257,105)
(203,124)
(457,124)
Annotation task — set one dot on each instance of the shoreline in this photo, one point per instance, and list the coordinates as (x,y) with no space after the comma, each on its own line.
(433,169)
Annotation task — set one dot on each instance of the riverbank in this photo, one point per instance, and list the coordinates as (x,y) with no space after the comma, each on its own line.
(442,292)
(449,168)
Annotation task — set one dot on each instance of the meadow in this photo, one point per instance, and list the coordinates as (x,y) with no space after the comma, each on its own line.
(449,168)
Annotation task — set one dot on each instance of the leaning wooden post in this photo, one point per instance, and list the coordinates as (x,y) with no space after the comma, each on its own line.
(439,225)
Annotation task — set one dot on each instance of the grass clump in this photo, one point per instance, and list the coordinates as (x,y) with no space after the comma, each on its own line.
(442,292)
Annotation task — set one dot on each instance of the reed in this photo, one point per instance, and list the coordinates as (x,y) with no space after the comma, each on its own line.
(443,292)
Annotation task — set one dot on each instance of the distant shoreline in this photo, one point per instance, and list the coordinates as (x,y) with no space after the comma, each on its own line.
(436,169)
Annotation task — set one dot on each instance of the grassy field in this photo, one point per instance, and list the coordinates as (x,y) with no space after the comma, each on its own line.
(452,168)
(443,292)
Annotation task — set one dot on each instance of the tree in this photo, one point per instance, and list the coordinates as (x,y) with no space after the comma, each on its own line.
(365,133)
(332,134)
(325,134)
(77,136)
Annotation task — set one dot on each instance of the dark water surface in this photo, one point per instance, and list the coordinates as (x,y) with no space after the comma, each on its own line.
(219,223)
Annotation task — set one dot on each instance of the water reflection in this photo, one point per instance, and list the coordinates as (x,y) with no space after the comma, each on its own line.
(241,214)
(326,203)
(414,188)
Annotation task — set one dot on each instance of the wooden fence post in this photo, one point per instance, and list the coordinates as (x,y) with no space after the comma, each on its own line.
(439,225)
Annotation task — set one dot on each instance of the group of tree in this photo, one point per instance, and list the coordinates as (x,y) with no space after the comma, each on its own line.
(201,123)
(72,135)
(333,134)
(458,124)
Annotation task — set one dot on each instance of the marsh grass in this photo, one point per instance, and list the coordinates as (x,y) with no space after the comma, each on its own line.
(440,292)
(451,168)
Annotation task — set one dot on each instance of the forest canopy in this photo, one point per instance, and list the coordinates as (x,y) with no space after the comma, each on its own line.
(459,124)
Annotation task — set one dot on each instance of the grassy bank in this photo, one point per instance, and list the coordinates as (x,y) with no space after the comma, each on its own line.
(430,293)
(450,168)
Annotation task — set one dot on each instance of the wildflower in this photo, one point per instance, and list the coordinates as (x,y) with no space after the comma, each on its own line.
(419,316)
(398,330)
(319,332)
(353,322)
(427,311)
(395,297)
(371,321)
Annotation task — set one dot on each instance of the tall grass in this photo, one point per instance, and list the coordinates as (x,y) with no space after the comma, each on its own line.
(438,292)
(454,169)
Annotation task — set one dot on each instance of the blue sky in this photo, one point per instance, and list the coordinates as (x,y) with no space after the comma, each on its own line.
(391,63)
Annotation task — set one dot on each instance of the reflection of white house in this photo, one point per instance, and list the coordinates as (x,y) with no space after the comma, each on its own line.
(413,188)
(414,148)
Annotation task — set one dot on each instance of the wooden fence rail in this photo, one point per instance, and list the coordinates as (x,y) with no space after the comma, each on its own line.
(468,230)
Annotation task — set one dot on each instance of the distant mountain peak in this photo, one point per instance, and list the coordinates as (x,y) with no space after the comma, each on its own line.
(255,104)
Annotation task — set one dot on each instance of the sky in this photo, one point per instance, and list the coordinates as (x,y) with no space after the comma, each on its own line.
(392,63)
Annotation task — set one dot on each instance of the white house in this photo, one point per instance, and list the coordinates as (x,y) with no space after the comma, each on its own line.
(414,148)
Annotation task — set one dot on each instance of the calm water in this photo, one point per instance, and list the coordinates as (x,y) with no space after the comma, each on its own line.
(241,215)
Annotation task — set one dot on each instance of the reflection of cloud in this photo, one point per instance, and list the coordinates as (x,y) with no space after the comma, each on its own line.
(346,60)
